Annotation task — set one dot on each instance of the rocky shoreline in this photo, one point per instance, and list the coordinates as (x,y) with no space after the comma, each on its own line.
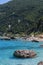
(33,39)
(6,38)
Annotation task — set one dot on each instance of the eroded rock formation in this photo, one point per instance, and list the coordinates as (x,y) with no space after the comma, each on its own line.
(24,53)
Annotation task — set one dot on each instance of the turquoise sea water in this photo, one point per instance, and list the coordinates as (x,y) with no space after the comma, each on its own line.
(7,49)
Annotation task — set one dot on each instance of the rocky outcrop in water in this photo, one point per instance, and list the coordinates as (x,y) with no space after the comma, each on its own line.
(35,41)
(24,53)
(40,63)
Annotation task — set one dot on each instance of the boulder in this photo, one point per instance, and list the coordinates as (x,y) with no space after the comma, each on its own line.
(35,41)
(24,53)
(40,63)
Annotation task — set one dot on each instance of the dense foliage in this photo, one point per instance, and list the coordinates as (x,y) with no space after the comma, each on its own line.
(23,15)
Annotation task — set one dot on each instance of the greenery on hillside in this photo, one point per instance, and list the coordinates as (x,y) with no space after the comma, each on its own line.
(24,16)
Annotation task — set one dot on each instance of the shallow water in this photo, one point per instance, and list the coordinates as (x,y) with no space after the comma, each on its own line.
(7,49)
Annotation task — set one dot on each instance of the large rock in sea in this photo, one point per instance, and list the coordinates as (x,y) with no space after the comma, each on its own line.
(24,53)
(40,63)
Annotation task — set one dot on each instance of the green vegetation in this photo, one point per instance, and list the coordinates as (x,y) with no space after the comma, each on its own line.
(25,16)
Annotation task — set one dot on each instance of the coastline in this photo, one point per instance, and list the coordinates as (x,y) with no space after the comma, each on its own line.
(32,38)
(26,38)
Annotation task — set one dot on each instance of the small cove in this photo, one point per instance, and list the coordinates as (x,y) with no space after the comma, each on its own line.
(7,48)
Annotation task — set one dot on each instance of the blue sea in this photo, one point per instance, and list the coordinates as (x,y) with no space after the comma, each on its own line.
(7,48)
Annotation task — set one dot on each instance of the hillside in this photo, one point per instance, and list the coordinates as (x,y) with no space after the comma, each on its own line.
(23,15)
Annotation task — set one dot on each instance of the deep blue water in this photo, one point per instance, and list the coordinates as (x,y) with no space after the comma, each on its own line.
(7,48)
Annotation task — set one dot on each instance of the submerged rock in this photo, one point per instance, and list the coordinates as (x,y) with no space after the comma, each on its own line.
(41,45)
(40,63)
(35,41)
(24,53)
(12,38)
